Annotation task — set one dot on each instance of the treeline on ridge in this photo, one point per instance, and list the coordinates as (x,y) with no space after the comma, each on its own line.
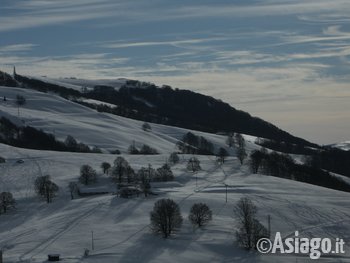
(281,165)
(165,105)
(29,137)
(327,158)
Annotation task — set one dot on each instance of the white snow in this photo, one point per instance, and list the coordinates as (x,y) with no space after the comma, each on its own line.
(342,145)
(121,226)
(61,117)
(78,84)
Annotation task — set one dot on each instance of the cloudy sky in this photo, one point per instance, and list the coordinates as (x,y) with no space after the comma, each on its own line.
(286,61)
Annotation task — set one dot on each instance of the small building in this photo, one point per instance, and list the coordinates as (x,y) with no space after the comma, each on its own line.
(53,257)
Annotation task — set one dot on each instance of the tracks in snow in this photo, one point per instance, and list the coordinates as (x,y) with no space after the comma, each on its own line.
(55,236)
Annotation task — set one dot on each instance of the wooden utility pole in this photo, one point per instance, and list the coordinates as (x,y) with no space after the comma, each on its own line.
(1,256)
(92,241)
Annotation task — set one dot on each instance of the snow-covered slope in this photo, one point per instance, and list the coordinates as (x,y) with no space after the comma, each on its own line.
(342,145)
(61,117)
(121,226)
(78,84)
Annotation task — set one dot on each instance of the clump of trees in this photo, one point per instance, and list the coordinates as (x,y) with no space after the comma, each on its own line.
(144,176)
(121,171)
(331,159)
(29,137)
(125,177)
(192,144)
(250,230)
(6,202)
(133,149)
(285,147)
(87,175)
(200,214)
(74,146)
(282,165)
(45,188)
(164,174)
(145,150)
(165,217)
(116,151)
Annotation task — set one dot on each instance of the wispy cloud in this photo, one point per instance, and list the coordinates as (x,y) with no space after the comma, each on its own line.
(42,13)
(34,13)
(175,43)
(17,48)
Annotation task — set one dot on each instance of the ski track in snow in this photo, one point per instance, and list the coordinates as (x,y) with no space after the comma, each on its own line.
(55,236)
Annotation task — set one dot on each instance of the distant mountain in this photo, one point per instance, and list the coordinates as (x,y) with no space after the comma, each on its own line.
(345,146)
(165,105)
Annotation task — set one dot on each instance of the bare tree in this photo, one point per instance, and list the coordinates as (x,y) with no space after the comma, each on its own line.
(6,201)
(200,214)
(222,154)
(73,187)
(239,139)
(87,174)
(145,188)
(20,101)
(230,140)
(105,167)
(45,187)
(250,230)
(193,164)
(165,217)
(240,143)
(241,154)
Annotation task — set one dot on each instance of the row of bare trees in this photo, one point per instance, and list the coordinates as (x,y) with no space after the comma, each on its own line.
(166,218)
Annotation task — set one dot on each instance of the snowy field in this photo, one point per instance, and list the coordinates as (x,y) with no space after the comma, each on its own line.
(60,117)
(121,226)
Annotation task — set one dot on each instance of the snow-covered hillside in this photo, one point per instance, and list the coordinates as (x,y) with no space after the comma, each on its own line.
(121,226)
(61,117)
(342,145)
(79,84)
